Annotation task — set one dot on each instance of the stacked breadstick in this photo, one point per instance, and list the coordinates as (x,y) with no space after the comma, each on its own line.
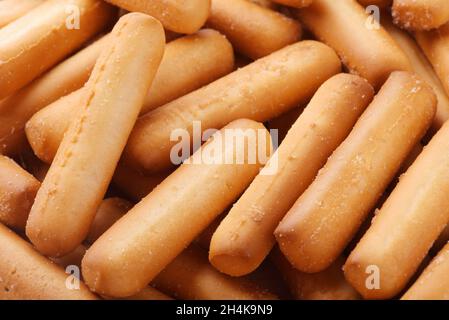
(224,149)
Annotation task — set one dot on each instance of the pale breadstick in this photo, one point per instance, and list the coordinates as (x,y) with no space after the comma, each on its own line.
(174,78)
(183,16)
(295,3)
(253,30)
(423,68)
(433,283)
(407,225)
(25,43)
(82,170)
(329,284)
(323,221)
(379,3)
(190,277)
(17,109)
(245,236)
(368,52)
(260,91)
(25,274)
(420,14)
(17,191)
(11,10)
(131,253)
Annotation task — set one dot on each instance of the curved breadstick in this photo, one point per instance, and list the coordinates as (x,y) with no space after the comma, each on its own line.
(130,254)
(191,277)
(253,30)
(24,43)
(11,10)
(291,75)
(175,77)
(176,15)
(416,210)
(294,3)
(65,206)
(17,191)
(433,283)
(323,221)
(366,50)
(420,14)
(26,274)
(17,109)
(245,236)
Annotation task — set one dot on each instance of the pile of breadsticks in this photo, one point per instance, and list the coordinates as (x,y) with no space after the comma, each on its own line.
(347,100)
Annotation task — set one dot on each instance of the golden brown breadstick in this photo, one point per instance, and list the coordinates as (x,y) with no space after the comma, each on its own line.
(253,30)
(260,91)
(407,225)
(17,109)
(435,44)
(245,236)
(295,3)
(17,191)
(25,43)
(176,15)
(131,253)
(329,284)
(420,14)
(191,277)
(433,283)
(25,274)
(423,68)
(323,221)
(11,10)
(174,78)
(366,50)
(82,170)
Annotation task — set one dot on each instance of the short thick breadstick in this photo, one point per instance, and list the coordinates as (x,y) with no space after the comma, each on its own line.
(18,108)
(174,78)
(183,16)
(254,31)
(433,283)
(260,91)
(130,254)
(25,43)
(407,225)
(420,14)
(82,170)
(17,191)
(368,52)
(11,10)
(245,236)
(26,274)
(190,277)
(323,221)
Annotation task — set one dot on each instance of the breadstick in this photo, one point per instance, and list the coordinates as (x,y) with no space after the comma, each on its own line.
(174,78)
(25,43)
(26,274)
(407,225)
(382,4)
(423,68)
(11,10)
(368,52)
(253,30)
(191,277)
(260,91)
(295,3)
(420,14)
(65,206)
(329,284)
(324,219)
(17,191)
(245,236)
(433,283)
(131,253)
(17,109)
(435,45)
(176,15)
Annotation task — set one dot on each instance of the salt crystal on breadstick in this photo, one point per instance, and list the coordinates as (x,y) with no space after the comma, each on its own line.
(82,170)
(11,10)
(420,14)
